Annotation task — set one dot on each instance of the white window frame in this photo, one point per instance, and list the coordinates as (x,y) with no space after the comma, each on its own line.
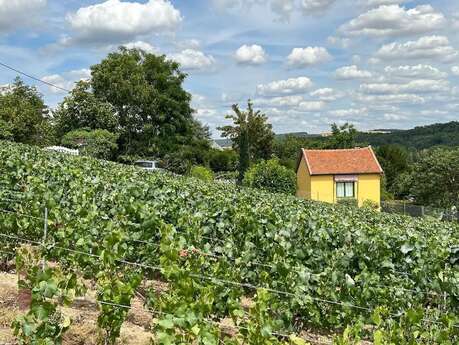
(346,189)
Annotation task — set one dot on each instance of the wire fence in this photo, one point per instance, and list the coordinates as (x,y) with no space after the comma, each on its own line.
(211,279)
(408,209)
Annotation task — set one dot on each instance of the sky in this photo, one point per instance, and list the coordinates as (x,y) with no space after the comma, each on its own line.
(305,63)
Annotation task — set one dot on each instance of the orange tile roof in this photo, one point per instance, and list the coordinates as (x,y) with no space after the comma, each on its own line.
(343,161)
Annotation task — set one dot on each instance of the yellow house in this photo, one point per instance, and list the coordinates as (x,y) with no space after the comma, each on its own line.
(331,175)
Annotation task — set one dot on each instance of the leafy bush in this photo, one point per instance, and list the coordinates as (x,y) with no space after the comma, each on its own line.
(370,204)
(349,202)
(272,177)
(226,176)
(99,143)
(6,130)
(223,160)
(202,173)
(184,157)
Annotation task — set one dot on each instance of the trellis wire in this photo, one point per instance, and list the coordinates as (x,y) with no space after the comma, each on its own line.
(245,285)
(218,280)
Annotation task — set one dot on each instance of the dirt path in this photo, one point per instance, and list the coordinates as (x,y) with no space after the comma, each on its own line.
(135,330)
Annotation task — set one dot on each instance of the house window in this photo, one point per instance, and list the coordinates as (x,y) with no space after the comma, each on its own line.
(345,189)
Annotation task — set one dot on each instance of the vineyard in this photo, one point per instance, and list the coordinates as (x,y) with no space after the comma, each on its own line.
(239,266)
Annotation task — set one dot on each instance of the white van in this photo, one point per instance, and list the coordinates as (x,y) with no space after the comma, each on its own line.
(147,165)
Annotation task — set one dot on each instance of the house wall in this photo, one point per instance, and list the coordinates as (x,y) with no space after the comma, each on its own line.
(303,181)
(323,188)
(369,188)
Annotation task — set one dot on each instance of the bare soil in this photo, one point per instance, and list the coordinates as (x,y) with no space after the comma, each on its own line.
(83,331)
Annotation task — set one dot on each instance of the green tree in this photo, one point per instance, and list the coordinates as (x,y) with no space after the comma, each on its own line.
(225,160)
(435,178)
(82,109)
(288,148)
(244,153)
(24,115)
(271,176)
(147,93)
(394,160)
(259,131)
(98,143)
(343,137)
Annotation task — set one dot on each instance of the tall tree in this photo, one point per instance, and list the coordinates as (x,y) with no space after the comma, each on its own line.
(287,148)
(24,117)
(259,131)
(82,109)
(244,152)
(343,137)
(147,93)
(394,162)
(435,178)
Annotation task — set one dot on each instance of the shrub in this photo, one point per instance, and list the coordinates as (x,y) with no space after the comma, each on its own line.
(223,160)
(99,143)
(230,176)
(182,158)
(271,176)
(370,204)
(349,202)
(202,173)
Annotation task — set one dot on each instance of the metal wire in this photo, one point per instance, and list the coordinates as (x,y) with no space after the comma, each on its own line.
(229,282)
(205,319)
(20,214)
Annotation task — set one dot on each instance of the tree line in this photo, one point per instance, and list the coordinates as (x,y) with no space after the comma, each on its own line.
(134,106)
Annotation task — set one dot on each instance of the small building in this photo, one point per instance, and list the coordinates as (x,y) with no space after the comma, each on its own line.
(62,149)
(332,175)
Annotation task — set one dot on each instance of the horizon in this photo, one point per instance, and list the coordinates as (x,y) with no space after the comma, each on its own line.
(306,64)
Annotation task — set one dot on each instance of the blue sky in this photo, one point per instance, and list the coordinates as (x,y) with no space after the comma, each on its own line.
(305,63)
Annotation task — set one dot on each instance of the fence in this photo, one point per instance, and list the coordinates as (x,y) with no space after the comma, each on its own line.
(408,209)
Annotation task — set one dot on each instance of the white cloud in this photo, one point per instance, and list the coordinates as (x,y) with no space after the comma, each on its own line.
(284,101)
(427,47)
(455,70)
(327,94)
(206,113)
(417,71)
(285,87)
(116,21)
(394,20)
(375,3)
(302,57)
(145,46)
(352,112)
(189,44)
(414,86)
(297,103)
(18,12)
(315,6)
(66,80)
(390,99)
(311,106)
(352,72)
(394,117)
(284,8)
(252,55)
(191,59)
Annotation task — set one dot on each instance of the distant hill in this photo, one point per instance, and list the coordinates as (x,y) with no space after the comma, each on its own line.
(227,142)
(439,134)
